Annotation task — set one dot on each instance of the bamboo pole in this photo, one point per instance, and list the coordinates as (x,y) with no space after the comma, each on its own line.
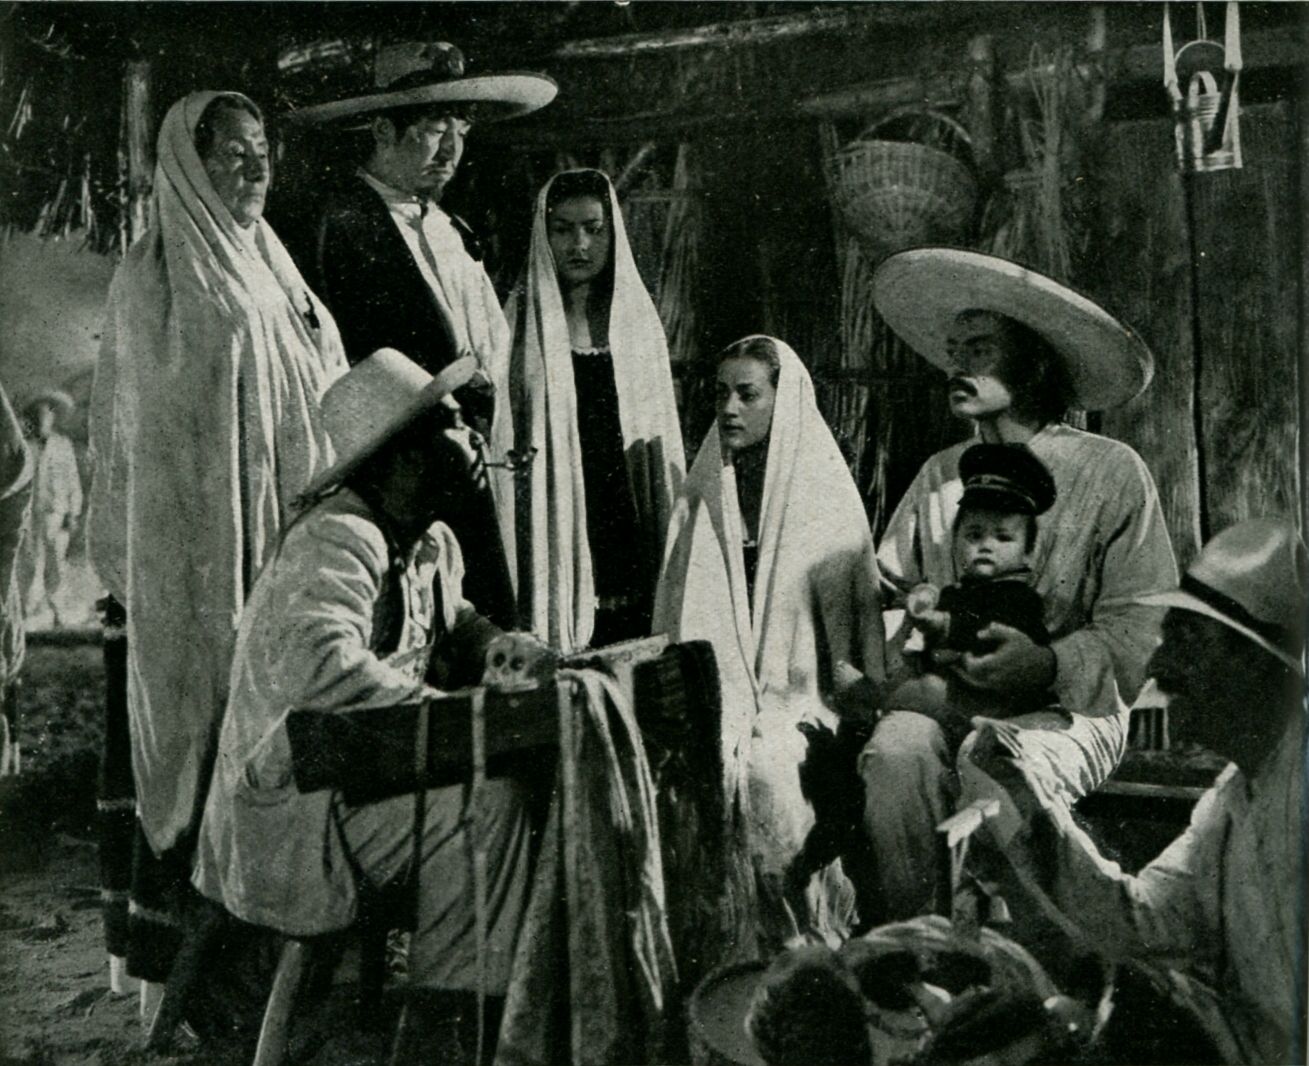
(744,31)
(136,156)
(979,114)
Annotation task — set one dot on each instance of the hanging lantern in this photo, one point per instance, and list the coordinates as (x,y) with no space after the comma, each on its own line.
(1206,117)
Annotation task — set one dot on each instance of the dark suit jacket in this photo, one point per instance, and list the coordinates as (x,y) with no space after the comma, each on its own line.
(379,299)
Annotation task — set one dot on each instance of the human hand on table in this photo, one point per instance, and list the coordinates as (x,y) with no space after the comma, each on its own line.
(518,661)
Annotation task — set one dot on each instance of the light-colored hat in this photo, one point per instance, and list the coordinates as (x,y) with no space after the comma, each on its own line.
(375,400)
(431,72)
(1251,577)
(920,293)
(55,398)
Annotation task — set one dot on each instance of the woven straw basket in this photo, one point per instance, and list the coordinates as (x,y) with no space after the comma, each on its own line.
(898,194)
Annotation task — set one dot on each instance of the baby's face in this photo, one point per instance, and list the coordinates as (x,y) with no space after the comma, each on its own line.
(990,543)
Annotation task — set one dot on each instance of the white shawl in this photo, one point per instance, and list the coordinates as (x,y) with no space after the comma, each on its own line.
(556,592)
(815,601)
(204,427)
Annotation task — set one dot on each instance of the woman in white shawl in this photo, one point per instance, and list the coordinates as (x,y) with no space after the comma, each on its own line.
(770,559)
(591,388)
(205,427)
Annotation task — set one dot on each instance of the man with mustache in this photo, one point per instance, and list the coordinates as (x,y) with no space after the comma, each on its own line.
(398,271)
(1020,350)
(1218,914)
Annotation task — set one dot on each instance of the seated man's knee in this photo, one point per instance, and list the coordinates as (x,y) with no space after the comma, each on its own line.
(901,739)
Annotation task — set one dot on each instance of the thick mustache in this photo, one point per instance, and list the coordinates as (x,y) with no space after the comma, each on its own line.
(958,384)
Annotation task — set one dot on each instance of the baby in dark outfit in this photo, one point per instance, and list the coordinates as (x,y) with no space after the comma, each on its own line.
(1005,488)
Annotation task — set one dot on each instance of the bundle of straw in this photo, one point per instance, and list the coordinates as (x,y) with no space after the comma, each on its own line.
(1031,219)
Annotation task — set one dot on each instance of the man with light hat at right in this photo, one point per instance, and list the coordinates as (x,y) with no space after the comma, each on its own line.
(1020,350)
(363,592)
(1221,908)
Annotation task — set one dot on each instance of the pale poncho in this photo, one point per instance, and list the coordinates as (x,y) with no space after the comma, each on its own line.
(547,529)
(204,427)
(815,602)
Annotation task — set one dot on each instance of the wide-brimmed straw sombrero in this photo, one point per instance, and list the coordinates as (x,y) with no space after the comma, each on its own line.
(57,399)
(432,72)
(920,293)
(1252,578)
(373,401)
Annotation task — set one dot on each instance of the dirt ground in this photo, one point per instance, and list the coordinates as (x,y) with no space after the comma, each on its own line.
(55,1005)
(56,1008)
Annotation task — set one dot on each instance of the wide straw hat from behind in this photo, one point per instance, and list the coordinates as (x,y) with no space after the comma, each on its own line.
(57,399)
(921,292)
(1251,577)
(432,72)
(375,400)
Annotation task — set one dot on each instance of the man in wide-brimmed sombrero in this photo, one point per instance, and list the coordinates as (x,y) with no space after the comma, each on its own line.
(400,272)
(363,595)
(1021,350)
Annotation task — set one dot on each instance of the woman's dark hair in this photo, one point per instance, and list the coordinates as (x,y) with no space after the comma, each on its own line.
(592,184)
(808,1011)
(1037,376)
(760,349)
(574,183)
(204,129)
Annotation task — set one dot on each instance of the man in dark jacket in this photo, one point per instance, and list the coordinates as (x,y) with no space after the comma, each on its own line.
(399,272)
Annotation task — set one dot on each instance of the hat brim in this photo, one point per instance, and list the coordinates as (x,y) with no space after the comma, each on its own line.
(920,292)
(452,377)
(1183,600)
(53,397)
(503,96)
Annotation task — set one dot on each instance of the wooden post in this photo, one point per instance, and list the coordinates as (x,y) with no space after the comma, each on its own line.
(979,114)
(136,153)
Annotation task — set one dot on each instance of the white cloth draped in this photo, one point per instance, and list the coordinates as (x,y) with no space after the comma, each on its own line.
(556,590)
(204,427)
(815,601)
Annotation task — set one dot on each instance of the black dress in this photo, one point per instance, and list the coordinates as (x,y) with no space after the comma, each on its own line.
(623,583)
(750,464)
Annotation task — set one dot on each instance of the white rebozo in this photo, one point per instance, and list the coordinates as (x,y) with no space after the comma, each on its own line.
(204,428)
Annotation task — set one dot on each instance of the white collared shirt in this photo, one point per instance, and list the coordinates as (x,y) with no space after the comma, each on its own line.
(451,274)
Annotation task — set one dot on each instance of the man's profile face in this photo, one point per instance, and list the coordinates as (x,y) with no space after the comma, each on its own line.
(977,345)
(44,418)
(424,158)
(1198,665)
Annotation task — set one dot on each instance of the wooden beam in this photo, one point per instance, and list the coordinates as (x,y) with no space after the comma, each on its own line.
(138,154)
(748,31)
(1264,50)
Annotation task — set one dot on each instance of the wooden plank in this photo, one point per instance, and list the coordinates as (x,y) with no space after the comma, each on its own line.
(750,31)
(1139,270)
(1246,239)
(138,136)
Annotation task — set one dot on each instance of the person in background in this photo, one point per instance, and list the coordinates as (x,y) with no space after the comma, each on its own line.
(400,272)
(591,387)
(771,561)
(56,506)
(1219,914)
(205,427)
(15,509)
(1020,350)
